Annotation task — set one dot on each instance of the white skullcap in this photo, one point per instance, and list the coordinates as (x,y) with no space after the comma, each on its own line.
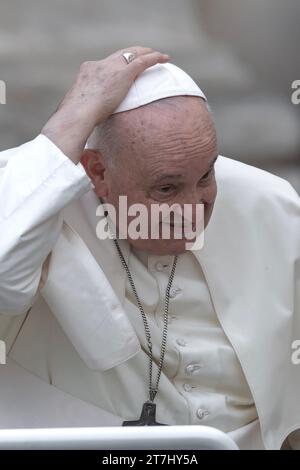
(157,82)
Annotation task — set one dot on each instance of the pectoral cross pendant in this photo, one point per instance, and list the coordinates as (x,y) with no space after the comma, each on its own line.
(147,417)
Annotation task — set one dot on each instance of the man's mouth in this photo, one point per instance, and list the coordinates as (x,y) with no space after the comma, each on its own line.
(186,225)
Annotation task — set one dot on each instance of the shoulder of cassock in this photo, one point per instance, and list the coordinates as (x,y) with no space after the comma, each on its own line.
(254,185)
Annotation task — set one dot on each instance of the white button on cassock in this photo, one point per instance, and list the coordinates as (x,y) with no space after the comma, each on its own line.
(174,291)
(187,387)
(193,368)
(159,266)
(201,413)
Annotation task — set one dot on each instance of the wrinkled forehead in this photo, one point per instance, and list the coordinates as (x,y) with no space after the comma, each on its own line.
(181,111)
(175,132)
(157,129)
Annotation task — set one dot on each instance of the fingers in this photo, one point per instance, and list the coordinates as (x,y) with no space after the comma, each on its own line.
(145,57)
(142,62)
(138,50)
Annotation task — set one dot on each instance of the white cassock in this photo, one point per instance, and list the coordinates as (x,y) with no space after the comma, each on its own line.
(69,317)
(234,305)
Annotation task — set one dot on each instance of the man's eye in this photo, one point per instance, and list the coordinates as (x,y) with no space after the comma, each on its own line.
(165,189)
(207,175)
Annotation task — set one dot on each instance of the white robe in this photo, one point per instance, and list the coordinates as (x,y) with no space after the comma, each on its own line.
(250,260)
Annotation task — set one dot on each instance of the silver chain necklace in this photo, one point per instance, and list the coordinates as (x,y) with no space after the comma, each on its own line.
(147,417)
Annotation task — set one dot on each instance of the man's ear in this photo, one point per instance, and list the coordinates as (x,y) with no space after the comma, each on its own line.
(92,161)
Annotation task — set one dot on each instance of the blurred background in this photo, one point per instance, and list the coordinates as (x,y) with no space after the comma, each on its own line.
(243,53)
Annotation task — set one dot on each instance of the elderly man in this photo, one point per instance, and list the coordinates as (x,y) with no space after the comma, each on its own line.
(144,328)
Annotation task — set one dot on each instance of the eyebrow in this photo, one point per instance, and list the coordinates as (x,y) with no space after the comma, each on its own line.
(174,176)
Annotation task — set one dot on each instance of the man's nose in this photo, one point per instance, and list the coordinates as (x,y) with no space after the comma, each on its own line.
(189,211)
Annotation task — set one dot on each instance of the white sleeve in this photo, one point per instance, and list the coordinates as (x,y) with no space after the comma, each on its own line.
(36,182)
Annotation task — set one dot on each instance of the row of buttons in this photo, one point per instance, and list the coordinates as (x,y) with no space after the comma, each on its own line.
(191,368)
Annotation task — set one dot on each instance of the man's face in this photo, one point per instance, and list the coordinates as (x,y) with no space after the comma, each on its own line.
(168,155)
